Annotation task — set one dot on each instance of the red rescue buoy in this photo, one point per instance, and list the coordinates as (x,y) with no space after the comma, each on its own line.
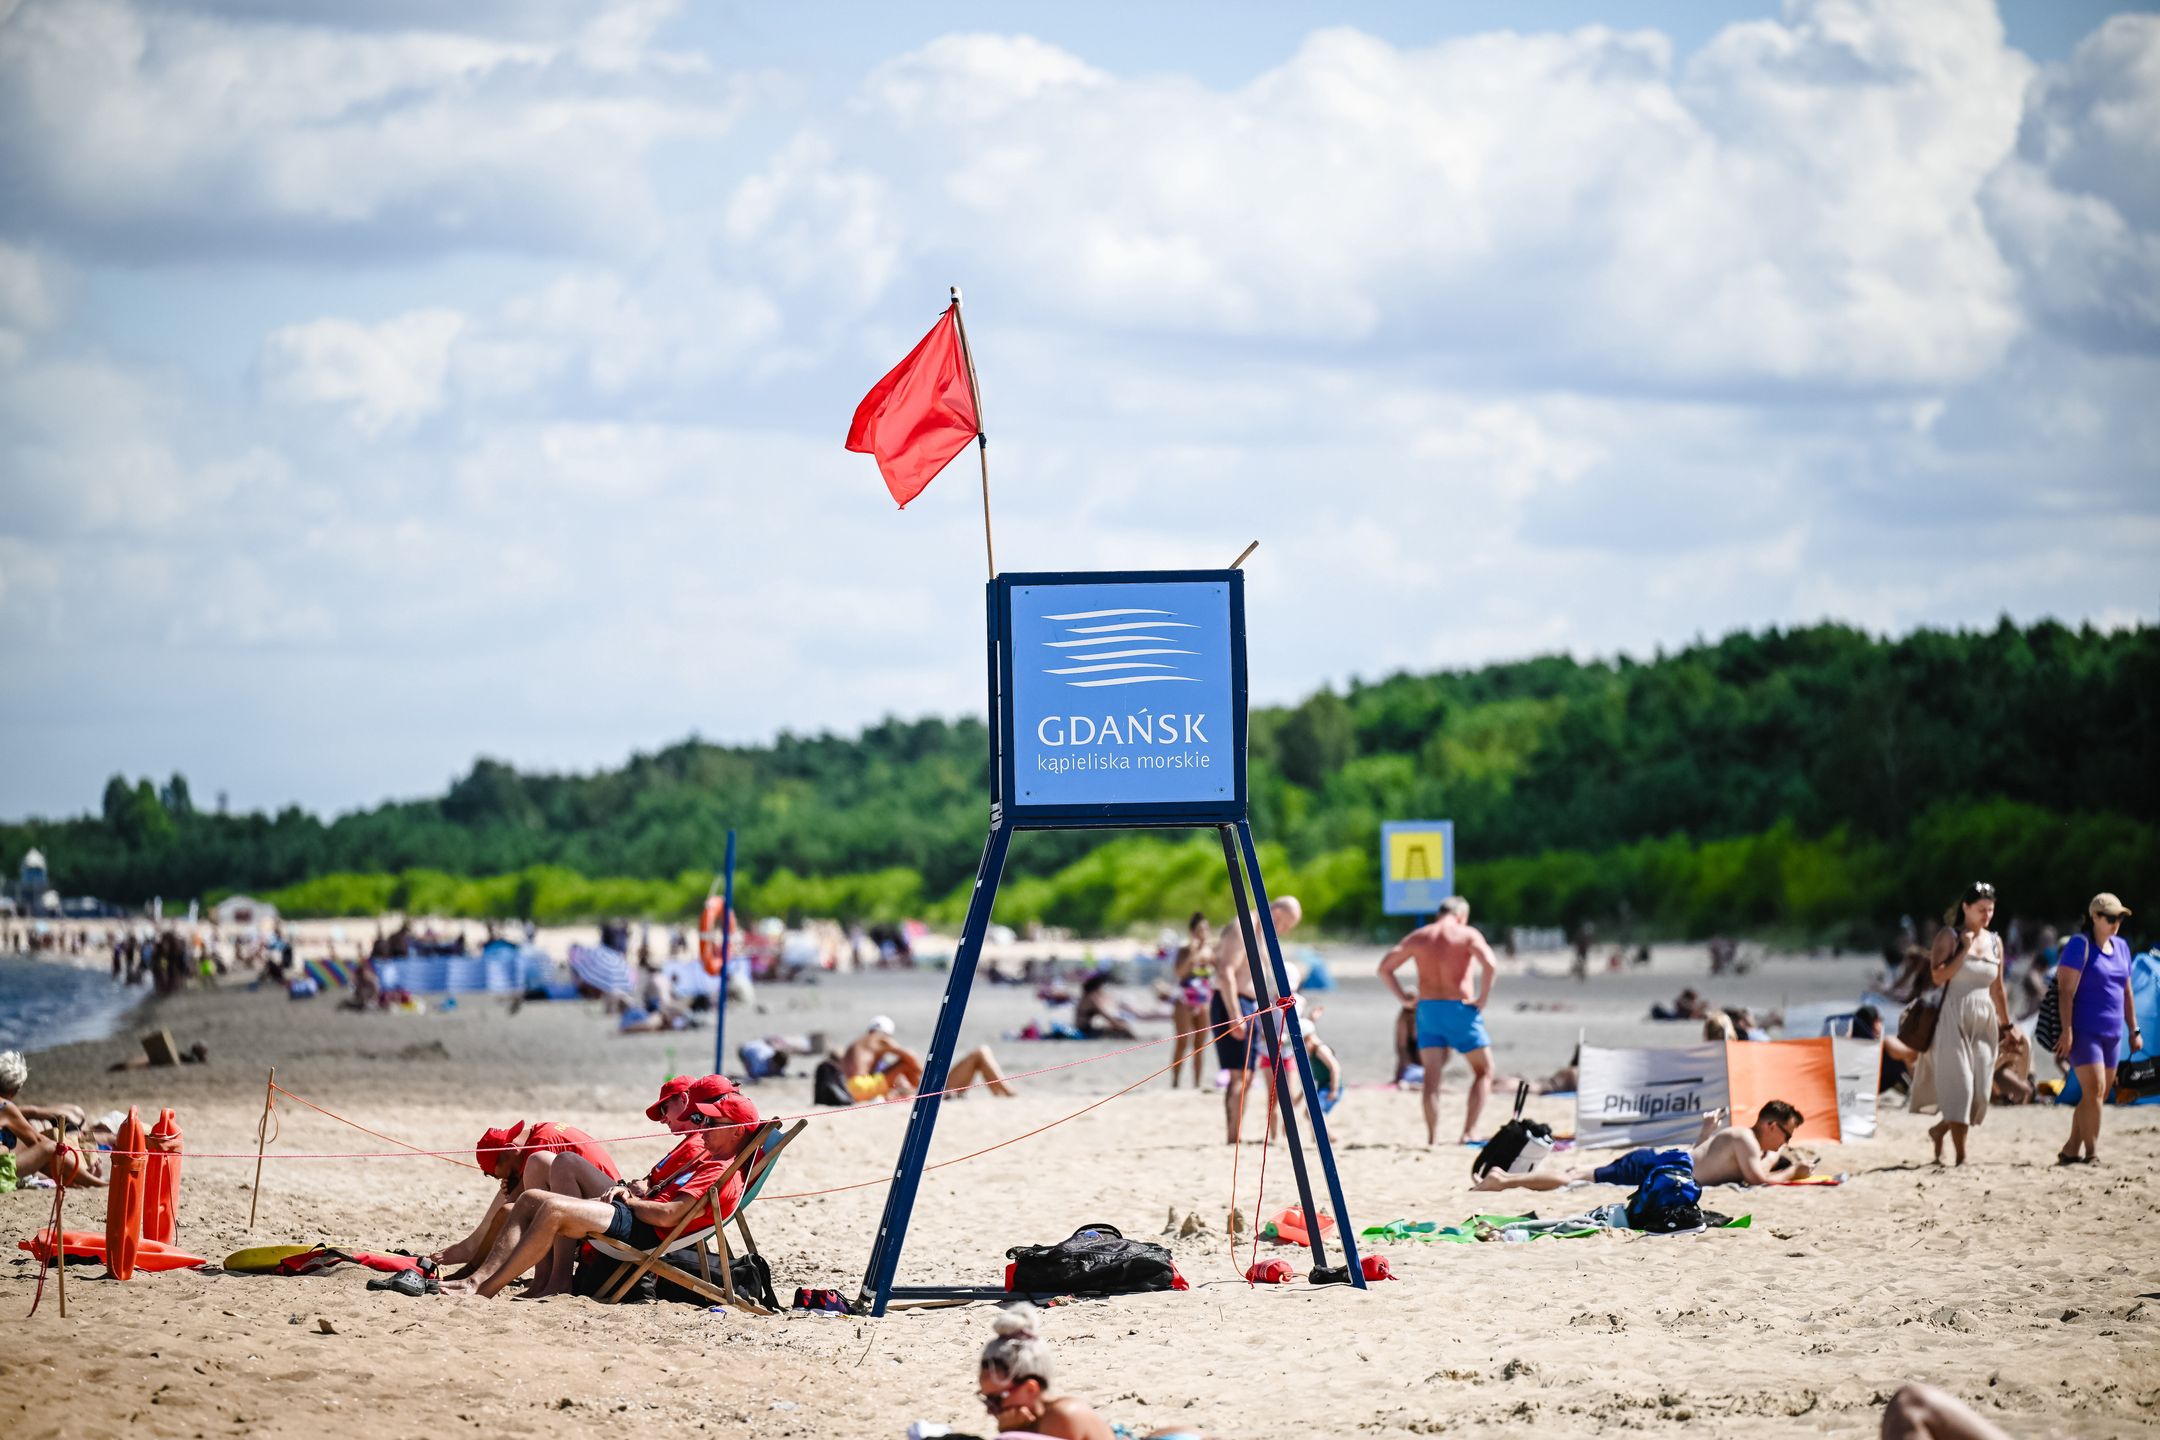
(710,919)
(161,1181)
(124,1198)
(89,1245)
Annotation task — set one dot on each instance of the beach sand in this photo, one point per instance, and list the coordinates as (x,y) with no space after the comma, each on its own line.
(2027,1289)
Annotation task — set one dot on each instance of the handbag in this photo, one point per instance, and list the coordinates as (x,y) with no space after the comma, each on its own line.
(1916,1023)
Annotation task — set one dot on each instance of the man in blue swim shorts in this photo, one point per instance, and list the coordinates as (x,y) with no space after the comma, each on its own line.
(1450,1005)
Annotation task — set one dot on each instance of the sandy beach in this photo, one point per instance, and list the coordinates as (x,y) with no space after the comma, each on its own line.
(2026,1289)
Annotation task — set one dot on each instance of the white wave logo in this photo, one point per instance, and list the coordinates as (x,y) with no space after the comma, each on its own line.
(1127,641)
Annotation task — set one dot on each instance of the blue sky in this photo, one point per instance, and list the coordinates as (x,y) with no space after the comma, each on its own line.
(374,396)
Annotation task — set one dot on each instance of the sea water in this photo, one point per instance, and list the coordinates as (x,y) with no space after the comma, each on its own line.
(44,1003)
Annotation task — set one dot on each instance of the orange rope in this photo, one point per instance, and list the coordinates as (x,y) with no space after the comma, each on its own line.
(434,1154)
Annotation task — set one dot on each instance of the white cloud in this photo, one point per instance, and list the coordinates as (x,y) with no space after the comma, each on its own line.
(1509,343)
(158,133)
(1796,204)
(386,377)
(2078,206)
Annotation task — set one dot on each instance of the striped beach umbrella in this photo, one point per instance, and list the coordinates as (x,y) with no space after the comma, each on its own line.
(605,970)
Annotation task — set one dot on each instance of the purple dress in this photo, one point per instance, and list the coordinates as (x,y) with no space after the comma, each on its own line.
(2096,1018)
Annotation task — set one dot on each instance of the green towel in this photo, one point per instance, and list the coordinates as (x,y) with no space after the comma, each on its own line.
(7,1171)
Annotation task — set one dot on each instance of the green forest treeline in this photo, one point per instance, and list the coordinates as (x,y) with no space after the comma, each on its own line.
(1813,782)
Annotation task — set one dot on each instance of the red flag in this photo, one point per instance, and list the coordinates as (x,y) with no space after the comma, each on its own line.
(921,414)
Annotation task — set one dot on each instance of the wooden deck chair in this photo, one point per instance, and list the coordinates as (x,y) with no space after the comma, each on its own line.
(756,1161)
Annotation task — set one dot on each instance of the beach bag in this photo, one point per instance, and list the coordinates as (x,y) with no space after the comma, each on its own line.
(1916,1024)
(1517,1146)
(830,1086)
(2047,1028)
(1668,1199)
(1093,1260)
(2139,1075)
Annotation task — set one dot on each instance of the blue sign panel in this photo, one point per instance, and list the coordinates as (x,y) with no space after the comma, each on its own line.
(1417,865)
(1124,694)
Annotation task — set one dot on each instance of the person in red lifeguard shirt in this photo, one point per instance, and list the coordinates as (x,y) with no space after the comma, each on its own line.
(714,1118)
(548,1156)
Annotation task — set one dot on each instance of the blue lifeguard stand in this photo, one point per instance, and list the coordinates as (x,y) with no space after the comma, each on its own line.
(1118,701)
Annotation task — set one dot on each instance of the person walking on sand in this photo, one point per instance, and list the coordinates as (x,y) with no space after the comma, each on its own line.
(1957,1071)
(1194,978)
(1449,1005)
(2093,979)
(1234,982)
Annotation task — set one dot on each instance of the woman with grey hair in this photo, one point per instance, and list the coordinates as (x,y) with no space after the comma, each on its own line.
(24,1142)
(1015,1380)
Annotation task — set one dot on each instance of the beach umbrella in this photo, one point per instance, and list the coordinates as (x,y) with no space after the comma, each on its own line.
(605,970)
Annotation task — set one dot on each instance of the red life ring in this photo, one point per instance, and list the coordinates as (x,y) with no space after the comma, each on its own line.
(710,919)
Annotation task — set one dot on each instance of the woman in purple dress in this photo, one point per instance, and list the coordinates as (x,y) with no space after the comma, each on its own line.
(2093,980)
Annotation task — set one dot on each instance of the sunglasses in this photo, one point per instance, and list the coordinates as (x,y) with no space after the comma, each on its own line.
(1981,891)
(994,1400)
(2101,919)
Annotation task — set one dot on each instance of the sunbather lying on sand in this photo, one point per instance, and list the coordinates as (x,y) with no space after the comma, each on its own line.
(1014,1382)
(1723,1155)
(534,1162)
(714,1117)
(30,1133)
(877,1067)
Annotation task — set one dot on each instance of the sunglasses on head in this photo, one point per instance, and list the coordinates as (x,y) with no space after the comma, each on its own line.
(1981,891)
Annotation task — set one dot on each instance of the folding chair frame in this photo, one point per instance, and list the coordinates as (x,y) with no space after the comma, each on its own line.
(756,1159)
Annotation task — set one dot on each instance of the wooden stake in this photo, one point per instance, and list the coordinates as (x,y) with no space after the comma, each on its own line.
(58,1233)
(262,1141)
(1235,564)
(982,438)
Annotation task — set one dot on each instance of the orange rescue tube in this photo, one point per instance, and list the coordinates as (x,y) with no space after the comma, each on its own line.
(89,1245)
(710,919)
(124,1198)
(161,1181)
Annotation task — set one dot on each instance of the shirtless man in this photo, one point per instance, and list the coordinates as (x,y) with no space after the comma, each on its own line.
(714,1118)
(23,1133)
(877,1067)
(1233,981)
(1449,1006)
(1723,1155)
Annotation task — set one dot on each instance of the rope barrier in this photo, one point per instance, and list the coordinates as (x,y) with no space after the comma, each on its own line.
(59,1169)
(407,1152)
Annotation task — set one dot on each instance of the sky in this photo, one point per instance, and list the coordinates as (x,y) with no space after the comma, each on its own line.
(375,396)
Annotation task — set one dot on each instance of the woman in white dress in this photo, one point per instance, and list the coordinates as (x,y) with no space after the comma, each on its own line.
(1956,1072)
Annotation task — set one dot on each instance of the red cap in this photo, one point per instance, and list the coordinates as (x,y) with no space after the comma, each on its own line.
(678,1085)
(716,1098)
(495,1143)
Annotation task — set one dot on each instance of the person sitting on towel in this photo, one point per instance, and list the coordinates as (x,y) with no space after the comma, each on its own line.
(534,1163)
(714,1118)
(877,1067)
(1723,1155)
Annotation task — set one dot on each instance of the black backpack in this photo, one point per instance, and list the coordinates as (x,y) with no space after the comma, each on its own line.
(1506,1145)
(830,1086)
(1093,1260)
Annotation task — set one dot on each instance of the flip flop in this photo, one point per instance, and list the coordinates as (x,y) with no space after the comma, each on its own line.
(405,1282)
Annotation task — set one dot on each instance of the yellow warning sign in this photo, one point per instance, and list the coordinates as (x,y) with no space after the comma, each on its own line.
(1417,855)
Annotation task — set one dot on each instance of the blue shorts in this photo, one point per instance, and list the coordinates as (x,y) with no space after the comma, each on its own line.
(1635,1166)
(1450,1025)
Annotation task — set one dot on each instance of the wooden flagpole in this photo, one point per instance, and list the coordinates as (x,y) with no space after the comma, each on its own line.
(262,1140)
(982,439)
